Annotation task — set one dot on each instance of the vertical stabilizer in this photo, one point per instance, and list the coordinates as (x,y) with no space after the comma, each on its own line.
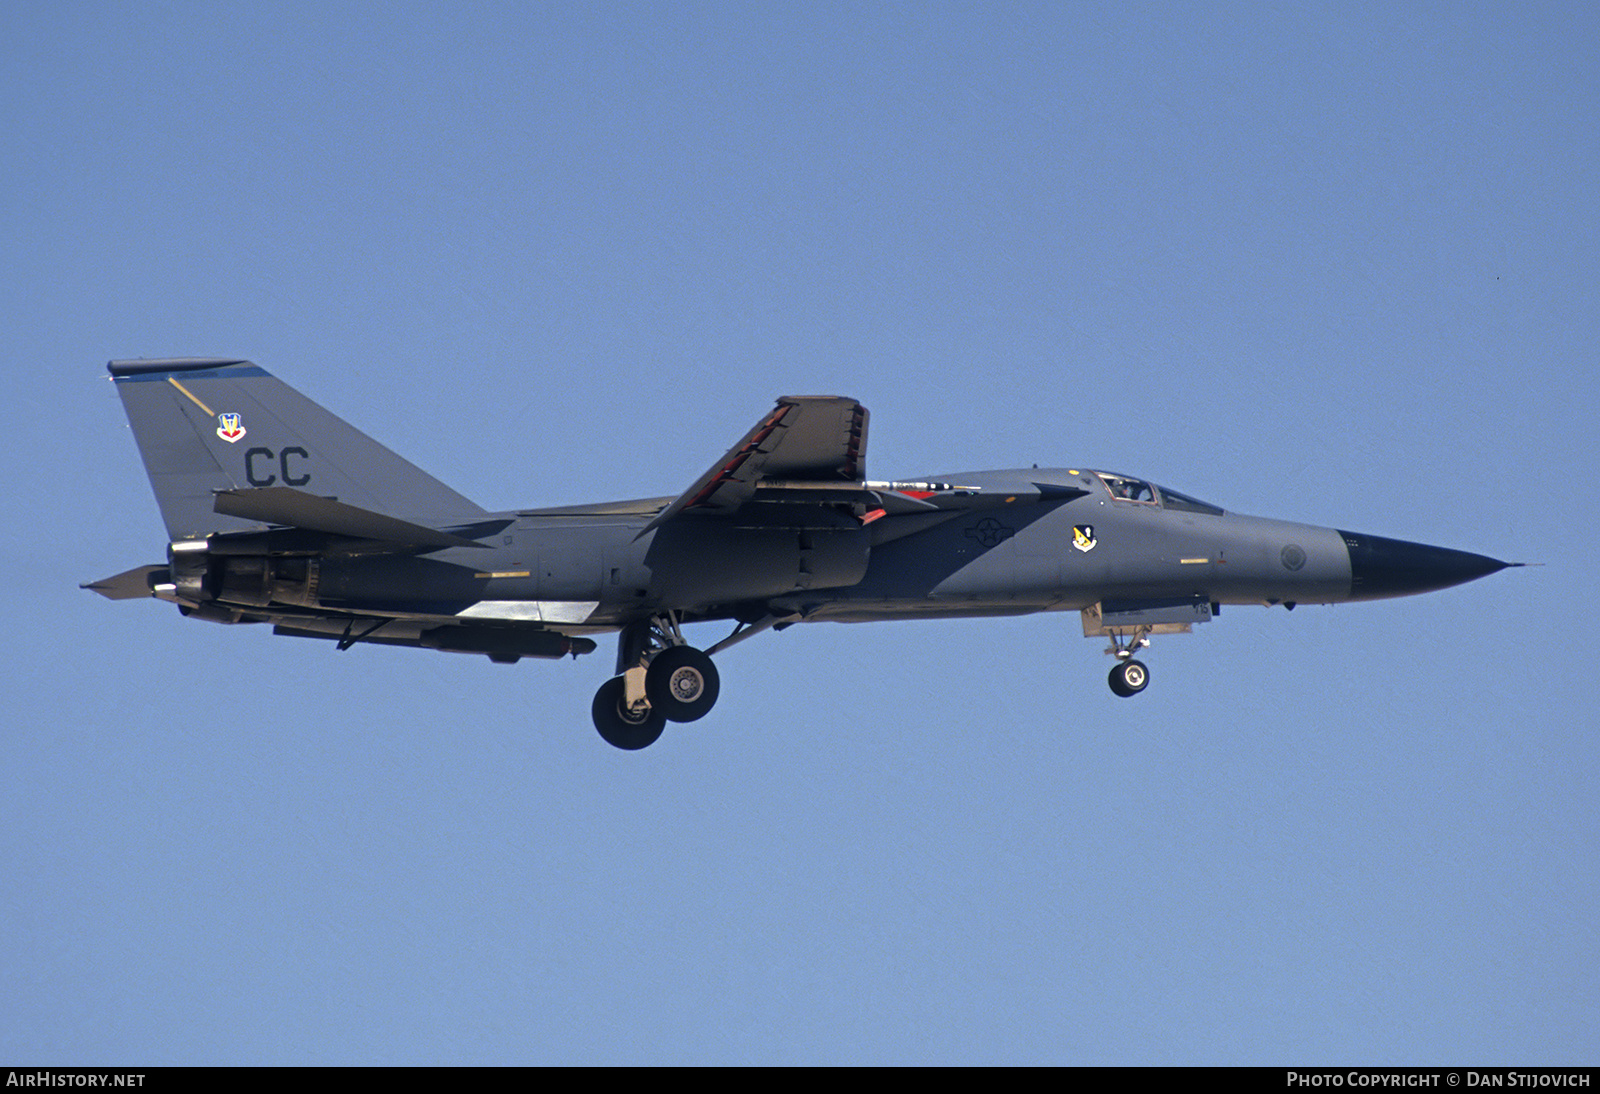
(204,425)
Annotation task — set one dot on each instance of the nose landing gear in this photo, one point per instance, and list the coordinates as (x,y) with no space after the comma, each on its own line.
(1128,677)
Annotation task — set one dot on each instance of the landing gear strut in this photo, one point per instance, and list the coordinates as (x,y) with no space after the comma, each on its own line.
(660,679)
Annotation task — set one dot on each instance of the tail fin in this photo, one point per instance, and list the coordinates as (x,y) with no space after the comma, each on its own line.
(205,425)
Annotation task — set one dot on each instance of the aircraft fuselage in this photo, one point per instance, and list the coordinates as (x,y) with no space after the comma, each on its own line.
(279,512)
(586,574)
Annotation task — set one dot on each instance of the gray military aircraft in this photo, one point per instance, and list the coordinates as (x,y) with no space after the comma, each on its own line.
(278,512)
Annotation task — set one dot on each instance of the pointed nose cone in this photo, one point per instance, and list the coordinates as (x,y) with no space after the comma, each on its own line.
(1382,567)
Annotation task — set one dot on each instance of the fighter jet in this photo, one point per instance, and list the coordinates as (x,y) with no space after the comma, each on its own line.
(278,512)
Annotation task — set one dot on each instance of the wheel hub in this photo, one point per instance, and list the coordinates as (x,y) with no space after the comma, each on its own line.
(686,684)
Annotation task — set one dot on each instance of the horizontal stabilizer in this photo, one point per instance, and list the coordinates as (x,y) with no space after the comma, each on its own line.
(297,509)
(128,585)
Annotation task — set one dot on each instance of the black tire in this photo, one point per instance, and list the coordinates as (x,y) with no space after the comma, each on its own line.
(1129,678)
(618,726)
(682,684)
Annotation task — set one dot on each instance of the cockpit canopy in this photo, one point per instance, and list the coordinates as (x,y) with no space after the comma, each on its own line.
(1127,488)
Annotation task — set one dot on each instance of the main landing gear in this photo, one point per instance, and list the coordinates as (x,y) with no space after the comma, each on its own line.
(1128,677)
(661,679)
(622,724)
(682,683)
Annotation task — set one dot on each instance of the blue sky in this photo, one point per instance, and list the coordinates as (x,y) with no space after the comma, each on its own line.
(1327,262)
